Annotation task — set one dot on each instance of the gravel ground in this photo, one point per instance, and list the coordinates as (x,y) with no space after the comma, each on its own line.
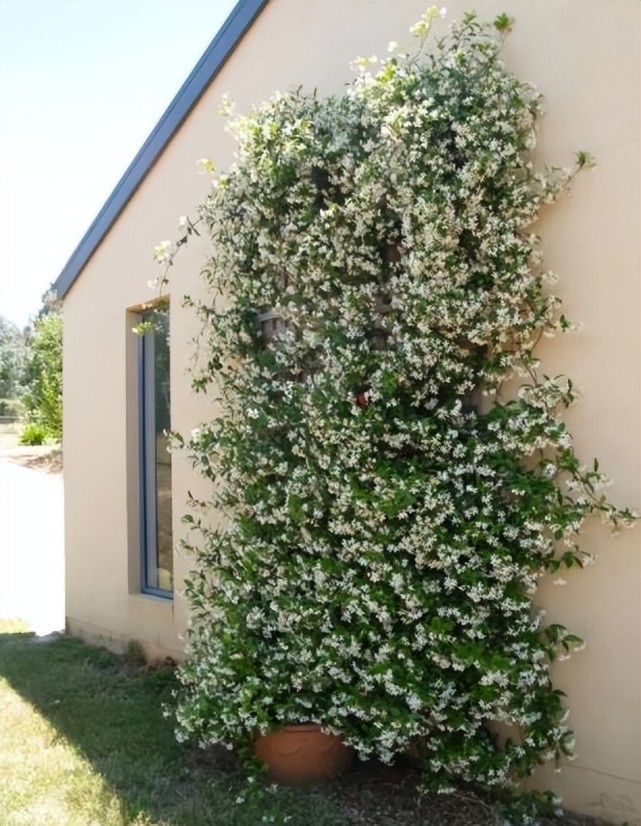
(377,795)
(44,458)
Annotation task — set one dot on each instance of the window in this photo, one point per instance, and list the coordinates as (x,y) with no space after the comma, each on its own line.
(155,460)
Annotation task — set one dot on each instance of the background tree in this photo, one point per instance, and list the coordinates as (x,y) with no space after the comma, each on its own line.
(13,356)
(43,374)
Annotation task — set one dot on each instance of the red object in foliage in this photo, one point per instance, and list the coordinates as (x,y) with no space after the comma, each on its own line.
(362,400)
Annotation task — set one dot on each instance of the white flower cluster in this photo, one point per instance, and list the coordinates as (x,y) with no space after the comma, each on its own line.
(387,523)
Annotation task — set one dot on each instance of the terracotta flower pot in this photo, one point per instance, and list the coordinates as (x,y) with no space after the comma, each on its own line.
(302,754)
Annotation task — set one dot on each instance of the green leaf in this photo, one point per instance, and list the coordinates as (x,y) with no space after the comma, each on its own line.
(295,507)
(503,23)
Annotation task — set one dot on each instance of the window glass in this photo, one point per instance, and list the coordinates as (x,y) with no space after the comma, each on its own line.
(157,543)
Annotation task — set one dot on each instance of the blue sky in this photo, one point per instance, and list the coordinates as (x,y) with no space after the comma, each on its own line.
(82,83)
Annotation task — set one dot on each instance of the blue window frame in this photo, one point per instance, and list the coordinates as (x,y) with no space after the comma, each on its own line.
(155,460)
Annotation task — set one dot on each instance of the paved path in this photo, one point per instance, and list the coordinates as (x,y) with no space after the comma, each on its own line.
(31,547)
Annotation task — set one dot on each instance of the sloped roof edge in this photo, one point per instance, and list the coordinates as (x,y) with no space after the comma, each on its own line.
(219,50)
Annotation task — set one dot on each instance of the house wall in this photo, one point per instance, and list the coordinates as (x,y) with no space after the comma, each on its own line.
(584,57)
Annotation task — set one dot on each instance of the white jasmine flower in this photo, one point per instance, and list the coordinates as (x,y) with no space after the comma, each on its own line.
(206,165)
(164,251)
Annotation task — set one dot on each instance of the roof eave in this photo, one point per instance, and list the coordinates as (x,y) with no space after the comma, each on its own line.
(218,52)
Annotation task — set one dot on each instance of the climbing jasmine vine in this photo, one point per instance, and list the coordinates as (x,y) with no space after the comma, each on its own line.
(386,509)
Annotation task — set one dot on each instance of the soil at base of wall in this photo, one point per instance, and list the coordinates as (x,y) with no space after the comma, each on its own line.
(373,794)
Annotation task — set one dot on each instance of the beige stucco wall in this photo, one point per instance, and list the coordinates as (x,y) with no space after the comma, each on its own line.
(584,57)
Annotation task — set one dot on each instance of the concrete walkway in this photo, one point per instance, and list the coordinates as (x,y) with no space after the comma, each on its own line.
(32,581)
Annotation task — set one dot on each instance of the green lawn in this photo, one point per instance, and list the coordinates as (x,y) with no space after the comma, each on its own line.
(84,743)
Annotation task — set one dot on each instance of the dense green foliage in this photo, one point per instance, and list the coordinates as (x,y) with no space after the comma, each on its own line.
(43,375)
(387,511)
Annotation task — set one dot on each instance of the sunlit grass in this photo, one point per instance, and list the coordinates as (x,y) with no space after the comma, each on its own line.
(46,779)
(49,781)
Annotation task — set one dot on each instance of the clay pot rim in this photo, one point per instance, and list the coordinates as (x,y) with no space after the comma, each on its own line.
(299,727)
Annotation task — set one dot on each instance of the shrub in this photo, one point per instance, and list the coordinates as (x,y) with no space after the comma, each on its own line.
(43,398)
(33,434)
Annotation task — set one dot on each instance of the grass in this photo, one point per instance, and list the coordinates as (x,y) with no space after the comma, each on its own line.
(85,743)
